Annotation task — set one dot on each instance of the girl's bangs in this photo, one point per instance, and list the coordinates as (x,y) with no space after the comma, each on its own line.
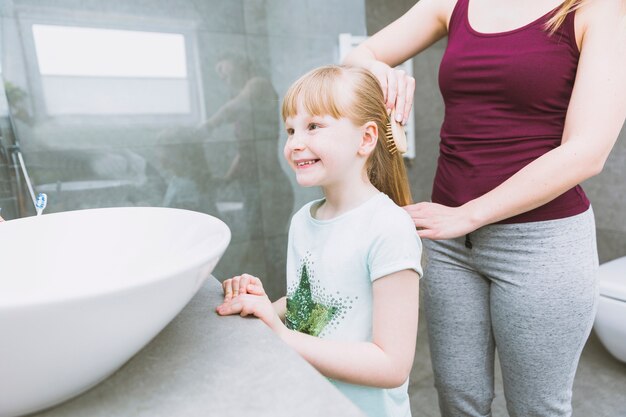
(317,93)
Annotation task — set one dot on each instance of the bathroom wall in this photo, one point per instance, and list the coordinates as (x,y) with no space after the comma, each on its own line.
(607,191)
(198,129)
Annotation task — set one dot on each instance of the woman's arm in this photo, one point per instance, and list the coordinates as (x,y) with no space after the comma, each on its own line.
(424,24)
(594,119)
(385,362)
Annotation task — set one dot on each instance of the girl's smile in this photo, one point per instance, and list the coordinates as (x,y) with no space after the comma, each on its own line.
(305,163)
(321,149)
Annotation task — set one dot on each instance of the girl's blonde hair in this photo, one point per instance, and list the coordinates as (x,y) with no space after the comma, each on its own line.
(559,17)
(354,93)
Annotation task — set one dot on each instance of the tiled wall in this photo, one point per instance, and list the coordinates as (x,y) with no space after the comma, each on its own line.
(241,56)
(606,191)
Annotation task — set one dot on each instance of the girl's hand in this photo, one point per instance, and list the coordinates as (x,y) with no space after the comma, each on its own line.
(242,284)
(398,88)
(245,295)
(256,305)
(435,221)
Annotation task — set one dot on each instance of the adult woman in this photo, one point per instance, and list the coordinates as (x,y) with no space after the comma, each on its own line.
(532,110)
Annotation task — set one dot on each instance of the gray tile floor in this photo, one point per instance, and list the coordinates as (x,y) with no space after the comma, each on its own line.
(599,387)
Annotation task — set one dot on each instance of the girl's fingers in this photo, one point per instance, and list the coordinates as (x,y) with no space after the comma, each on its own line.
(228,289)
(250,284)
(236,281)
(256,281)
(255,289)
(246,310)
(227,309)
(242,306)
(247,279)
(243,283)
(250,305)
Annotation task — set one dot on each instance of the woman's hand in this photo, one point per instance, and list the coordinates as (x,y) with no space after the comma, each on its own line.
(398,88)
(436,221)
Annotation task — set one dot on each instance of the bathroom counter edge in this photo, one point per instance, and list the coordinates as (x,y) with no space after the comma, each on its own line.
(202,364)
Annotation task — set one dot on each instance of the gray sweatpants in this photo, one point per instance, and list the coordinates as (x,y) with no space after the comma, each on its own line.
(527,289)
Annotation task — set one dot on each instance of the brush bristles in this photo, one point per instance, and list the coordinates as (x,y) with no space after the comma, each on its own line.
(391,144)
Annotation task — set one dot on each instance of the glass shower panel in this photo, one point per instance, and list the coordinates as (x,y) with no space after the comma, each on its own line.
(176,104)
(8,198)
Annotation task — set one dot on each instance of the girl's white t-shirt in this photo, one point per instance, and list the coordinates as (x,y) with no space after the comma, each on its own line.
(331,265)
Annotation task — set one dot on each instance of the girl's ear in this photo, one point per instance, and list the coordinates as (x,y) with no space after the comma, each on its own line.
(369,139)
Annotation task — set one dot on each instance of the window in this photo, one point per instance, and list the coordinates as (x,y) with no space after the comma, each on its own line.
(93,71)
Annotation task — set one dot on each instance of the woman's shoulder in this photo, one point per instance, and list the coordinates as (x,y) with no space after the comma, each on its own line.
(603,7)
(594,14)
(443,9)
(447,8)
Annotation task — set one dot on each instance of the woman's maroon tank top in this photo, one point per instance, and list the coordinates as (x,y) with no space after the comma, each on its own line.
(506,95)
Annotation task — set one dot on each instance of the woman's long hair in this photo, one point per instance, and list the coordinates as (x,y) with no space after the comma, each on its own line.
(559,17)
(354,93)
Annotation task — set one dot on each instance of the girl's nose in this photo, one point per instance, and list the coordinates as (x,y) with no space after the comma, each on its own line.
(296,143)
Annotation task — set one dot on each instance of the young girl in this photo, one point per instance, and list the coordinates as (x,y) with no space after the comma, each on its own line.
(353,258)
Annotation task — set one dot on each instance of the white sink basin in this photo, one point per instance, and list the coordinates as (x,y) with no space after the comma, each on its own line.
(81,292)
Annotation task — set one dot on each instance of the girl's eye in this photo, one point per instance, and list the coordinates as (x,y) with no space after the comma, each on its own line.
(313,126)
(289,132)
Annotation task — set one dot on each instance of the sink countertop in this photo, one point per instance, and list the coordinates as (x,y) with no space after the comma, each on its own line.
(202,364)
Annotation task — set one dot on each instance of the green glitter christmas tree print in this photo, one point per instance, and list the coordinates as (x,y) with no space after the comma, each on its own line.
(304,314)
